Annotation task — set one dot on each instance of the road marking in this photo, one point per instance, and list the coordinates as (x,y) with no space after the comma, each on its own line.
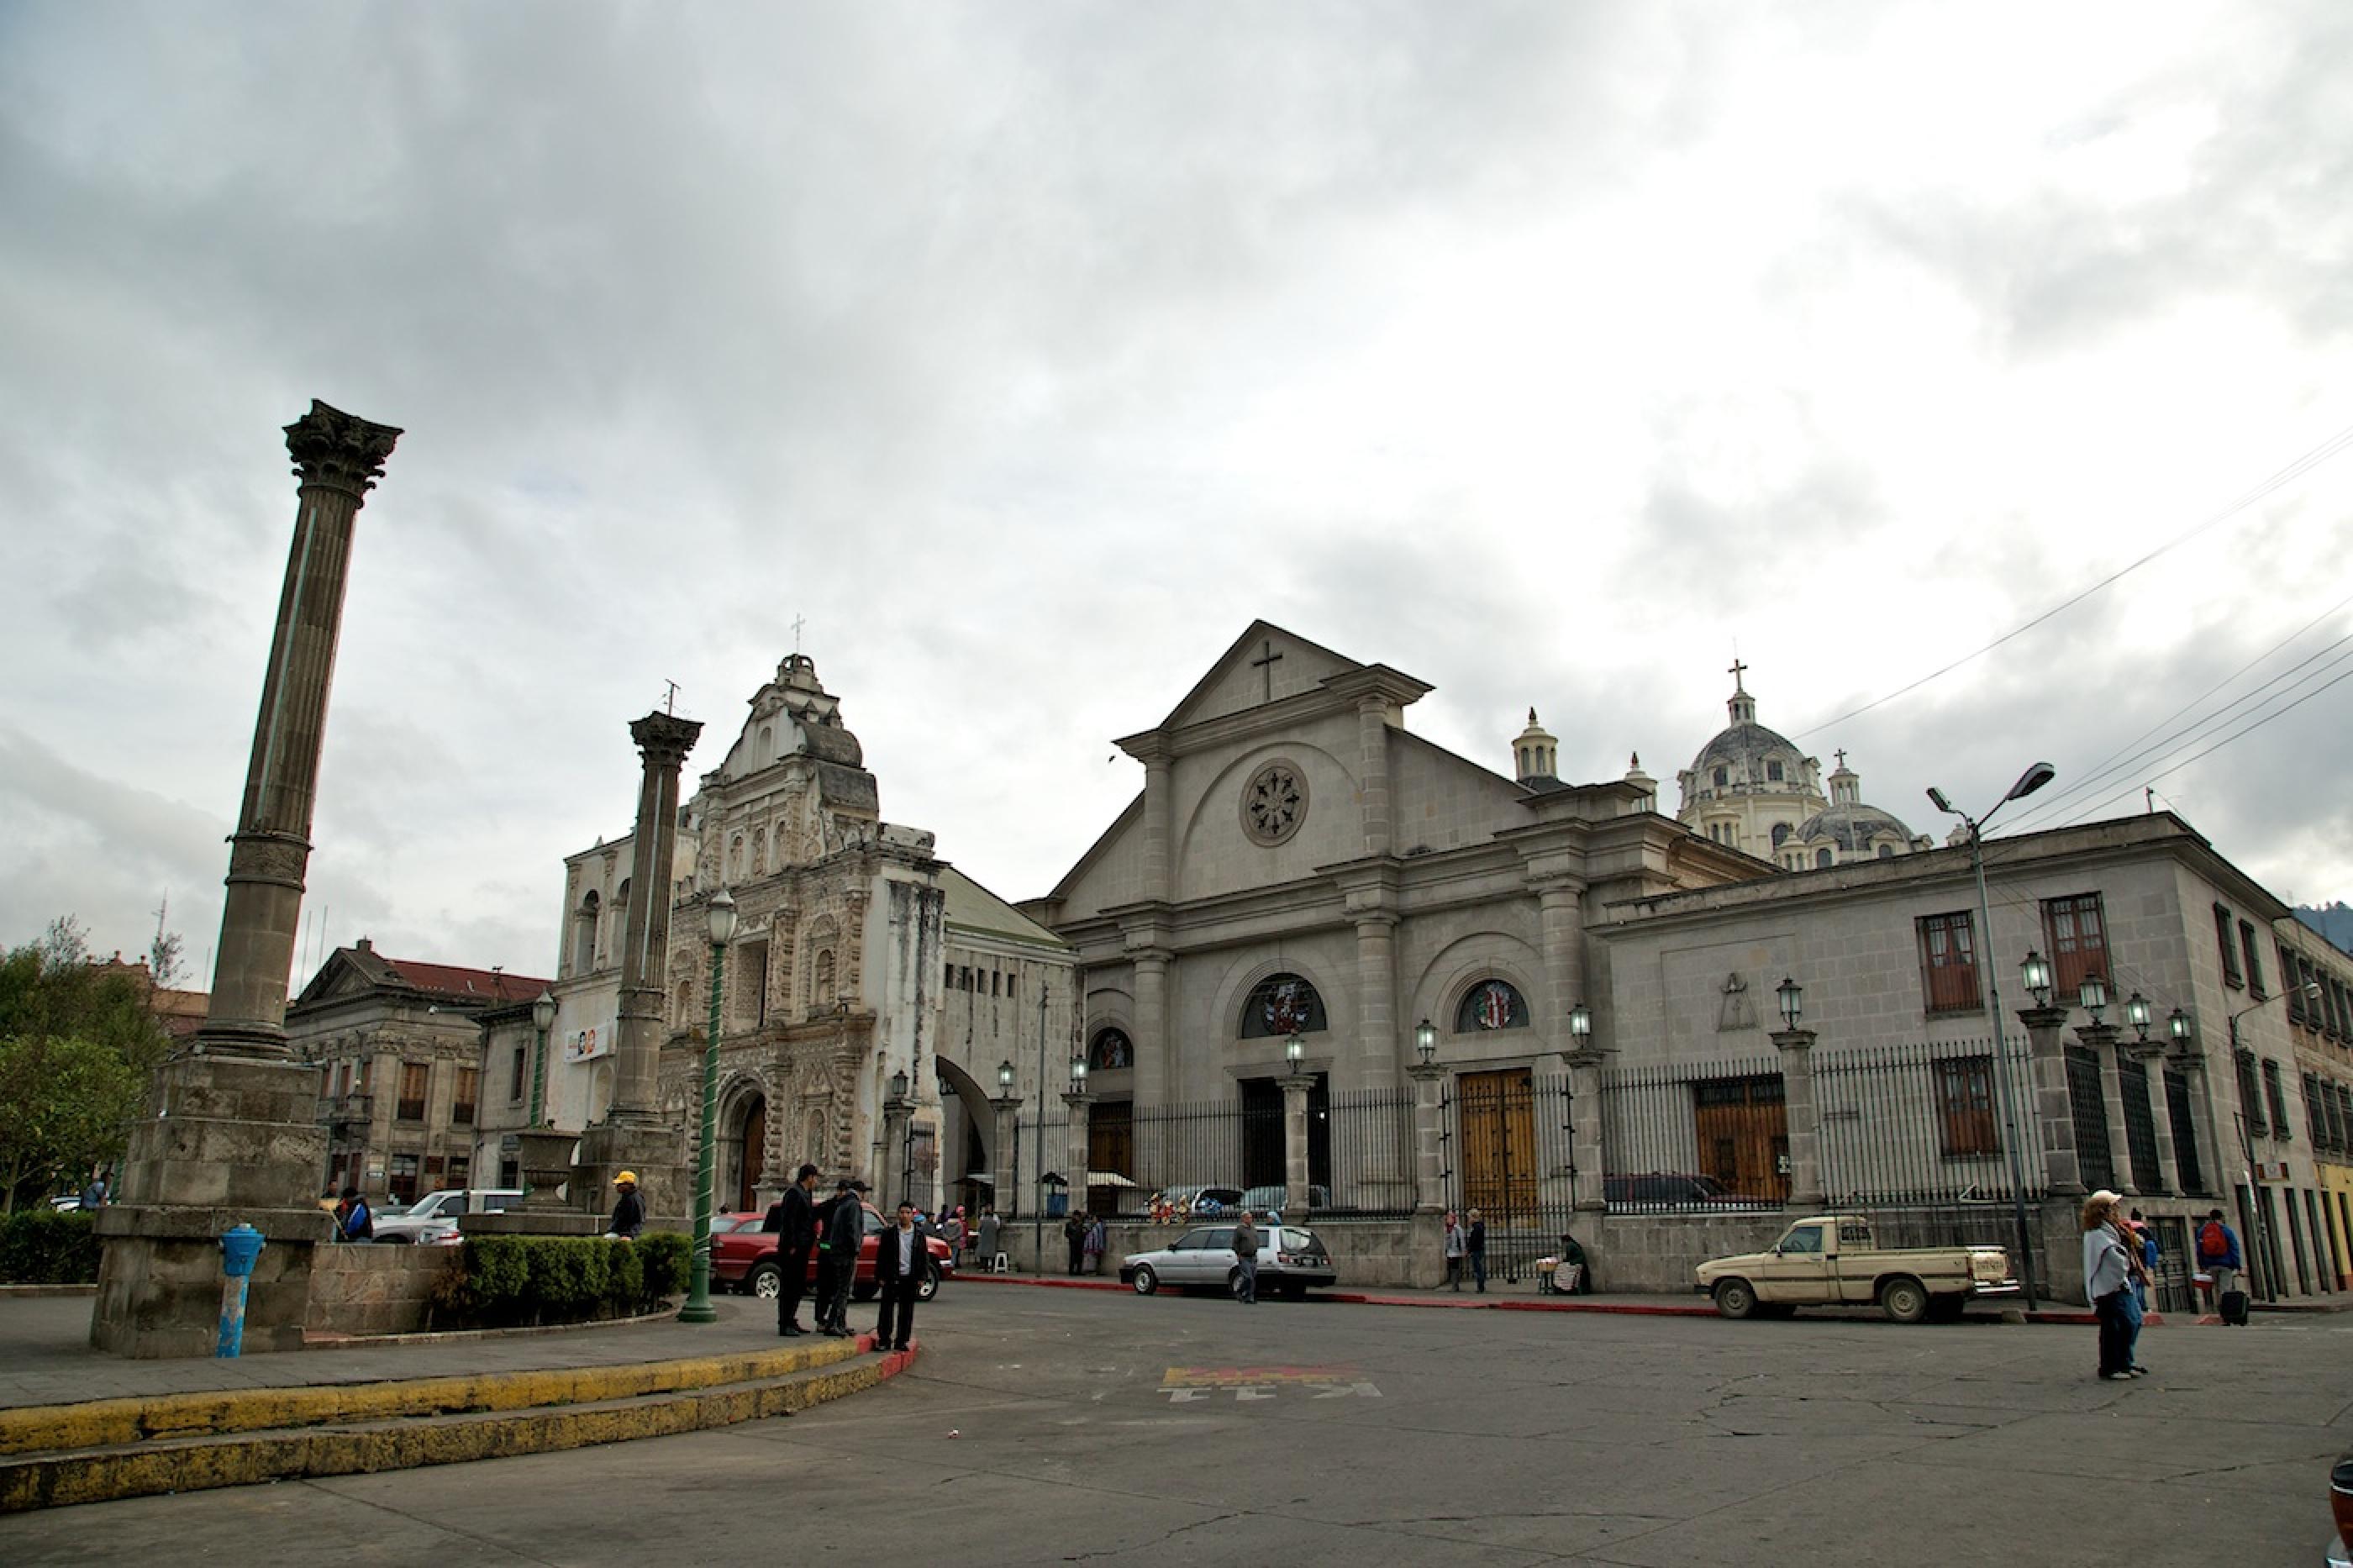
(1184,1385)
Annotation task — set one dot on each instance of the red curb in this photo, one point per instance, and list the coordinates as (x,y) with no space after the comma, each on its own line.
(1049,1284)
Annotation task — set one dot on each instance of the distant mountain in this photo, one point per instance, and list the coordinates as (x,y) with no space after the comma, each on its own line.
(2333,921)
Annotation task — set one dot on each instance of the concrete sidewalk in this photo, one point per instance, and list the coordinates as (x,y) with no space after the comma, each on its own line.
(46,1356)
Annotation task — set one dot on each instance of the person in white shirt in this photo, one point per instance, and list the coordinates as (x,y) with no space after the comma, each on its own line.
(902,1258)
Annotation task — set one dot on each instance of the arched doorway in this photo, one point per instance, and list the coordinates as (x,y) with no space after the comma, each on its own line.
(751,1152)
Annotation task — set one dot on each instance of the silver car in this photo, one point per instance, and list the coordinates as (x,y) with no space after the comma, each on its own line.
(1291,1258)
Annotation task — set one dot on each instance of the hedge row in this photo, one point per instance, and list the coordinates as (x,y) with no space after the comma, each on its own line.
(44,1246)
(503,1281)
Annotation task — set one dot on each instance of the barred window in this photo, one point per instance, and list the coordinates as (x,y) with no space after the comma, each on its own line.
(1948,965)
(1965,1105)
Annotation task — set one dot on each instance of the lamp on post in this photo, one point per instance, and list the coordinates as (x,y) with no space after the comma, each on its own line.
(1792,997)
(2032,779)
(2092,996)
(1425,1041)
(1005,1077)
(1294,1051)
(1078,1075)
(2138,1013)
(2036,973)
(543,1019)
(721,914)
(1580,1024)
(2177,1028)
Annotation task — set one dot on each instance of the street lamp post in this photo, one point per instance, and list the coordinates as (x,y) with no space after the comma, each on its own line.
(543,1019)
(2032,779)
(721,913)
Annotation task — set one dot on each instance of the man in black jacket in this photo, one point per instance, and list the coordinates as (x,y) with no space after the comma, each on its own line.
(902,1256)
(836,1270)
(793,1220)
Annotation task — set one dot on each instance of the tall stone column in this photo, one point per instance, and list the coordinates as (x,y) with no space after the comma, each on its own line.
(2150,1054)
(1294,1144)
(1004,1158)
(1373,772)
(635,1135)
(2051,1107)
(1560,908)
(1804,1118)
(1153,1041)
(1077,1125)
(1585,1128)
(893,1180)
(1376,1030)
(1159,819)
(233,1134)
(2102,1038)
(1429,1170)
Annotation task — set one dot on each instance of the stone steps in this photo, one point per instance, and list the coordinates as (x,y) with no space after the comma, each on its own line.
(106,1450)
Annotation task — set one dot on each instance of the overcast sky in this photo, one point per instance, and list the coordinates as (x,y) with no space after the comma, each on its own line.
(1546,353)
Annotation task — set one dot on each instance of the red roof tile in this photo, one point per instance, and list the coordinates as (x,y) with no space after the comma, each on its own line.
(477,985)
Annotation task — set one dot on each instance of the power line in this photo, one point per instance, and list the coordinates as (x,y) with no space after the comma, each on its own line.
(2295,469)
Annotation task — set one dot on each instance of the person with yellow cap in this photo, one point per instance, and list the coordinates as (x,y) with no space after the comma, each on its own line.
(629,1210)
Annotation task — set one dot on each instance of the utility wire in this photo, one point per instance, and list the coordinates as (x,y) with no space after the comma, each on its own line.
(2310,460)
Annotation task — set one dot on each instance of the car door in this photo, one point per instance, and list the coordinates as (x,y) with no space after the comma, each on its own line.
(1797,1269)
(1176,1263)
(1217,1256)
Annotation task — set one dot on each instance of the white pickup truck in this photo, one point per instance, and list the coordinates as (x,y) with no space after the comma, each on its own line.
(1831,1260)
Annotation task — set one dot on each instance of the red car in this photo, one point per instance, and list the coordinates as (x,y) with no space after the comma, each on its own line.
(743,1257)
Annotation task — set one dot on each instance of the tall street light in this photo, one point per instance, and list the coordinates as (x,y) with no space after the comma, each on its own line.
(2032,779)
(543,1019)
(721,912)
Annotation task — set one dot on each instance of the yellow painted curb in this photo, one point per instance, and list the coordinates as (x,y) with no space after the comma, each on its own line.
(100,1422)
(196,1465)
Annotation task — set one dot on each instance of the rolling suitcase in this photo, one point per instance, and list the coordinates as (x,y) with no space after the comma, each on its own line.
(2233,1307)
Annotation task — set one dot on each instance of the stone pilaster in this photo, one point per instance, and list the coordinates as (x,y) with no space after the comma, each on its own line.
(1585,1125)
(1004,1158)
(1373,772)
(2102,1038)
(1560,907)
(1078,1124)
(1797,1047)
(2053,1112)
(1429,1170)
(892,1181)
(1295,1086)
(1376,1032)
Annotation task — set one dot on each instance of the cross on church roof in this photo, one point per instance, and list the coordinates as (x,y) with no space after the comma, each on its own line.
(1735,672)
(1268,664)
(1840,756)
(799,622)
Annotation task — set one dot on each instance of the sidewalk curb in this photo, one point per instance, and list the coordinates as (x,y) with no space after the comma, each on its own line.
(22,1293)
(312,1341)
(53,1480)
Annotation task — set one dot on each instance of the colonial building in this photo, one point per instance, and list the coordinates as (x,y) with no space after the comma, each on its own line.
(870,990)
(401,1044)
(2318,979)
(1299,863)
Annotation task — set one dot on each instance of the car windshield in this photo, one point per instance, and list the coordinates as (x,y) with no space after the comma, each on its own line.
(720,1224)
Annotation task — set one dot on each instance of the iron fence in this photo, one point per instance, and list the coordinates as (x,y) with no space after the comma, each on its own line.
(2087,1108)
(2140,1126)
(1694,1138)
(1360,1153)
(1506,1150)
(1926,1123)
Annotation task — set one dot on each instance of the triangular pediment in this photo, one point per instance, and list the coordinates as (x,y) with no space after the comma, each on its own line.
(340,976)
(1265,664)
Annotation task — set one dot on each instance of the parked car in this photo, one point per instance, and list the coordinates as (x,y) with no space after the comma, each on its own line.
(1291,1261)
(435,1214)
(743,1257)
(1192,1200)
(1266,1200)
(1834,1260)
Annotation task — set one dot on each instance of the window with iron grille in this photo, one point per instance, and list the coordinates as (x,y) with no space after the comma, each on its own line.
(2140,1124)
(2087,1107)
(400,1178)
(515,1074)
(2230,975)
(2185,1131)
(469,1088)
(2276,1097)
(2287,978)
(1948,967)
(412,1092)
(2250,1104)
(1965,1105)
(2077,932)
(2254,959)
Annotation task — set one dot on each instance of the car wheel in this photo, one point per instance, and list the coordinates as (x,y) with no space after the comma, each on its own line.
(1905,1301)
(767,1282)
(930,1284)
(1234,1283)
(1736,1299)
(1146,1281)
(863,1292)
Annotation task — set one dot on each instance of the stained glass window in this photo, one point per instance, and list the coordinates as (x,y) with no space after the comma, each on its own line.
(1281,1004)
(1490,1005)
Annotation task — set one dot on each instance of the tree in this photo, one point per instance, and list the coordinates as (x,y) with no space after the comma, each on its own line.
(76,1042)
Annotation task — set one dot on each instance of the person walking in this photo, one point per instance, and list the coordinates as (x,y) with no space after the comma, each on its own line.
(2107,1283)
(1454,1243)
(358,1223)
(1474,1248)
(901,1257)
(1074,1237)
(2218,1256)
(1246,1259)
(845,1226)
(991,1233)
(794,1222)
(628,1209)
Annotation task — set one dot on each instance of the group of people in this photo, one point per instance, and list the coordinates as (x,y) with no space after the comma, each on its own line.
(1466,1247)
(1085,1236)
(2120,1259)
(832,1231)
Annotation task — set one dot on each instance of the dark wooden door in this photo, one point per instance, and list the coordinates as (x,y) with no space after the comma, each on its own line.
(1743,1127)
(752,1159)
(1495,1114)
(1111,1137)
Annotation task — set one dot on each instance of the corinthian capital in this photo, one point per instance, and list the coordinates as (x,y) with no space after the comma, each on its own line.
(338,450)
(664,739)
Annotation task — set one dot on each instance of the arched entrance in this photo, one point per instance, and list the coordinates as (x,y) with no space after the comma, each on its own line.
(750,1150)
(968,1124)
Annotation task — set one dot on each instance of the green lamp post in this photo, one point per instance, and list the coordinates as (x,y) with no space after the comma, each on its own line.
(720,911)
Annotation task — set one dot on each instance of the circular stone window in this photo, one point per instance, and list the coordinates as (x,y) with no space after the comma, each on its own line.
(1274,803)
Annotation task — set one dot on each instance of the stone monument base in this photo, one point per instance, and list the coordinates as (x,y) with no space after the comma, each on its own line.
(532,1222)
(656,1152)
(232,1142)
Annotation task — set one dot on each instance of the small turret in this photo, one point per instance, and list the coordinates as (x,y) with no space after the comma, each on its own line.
(1536,754)
(1644,782)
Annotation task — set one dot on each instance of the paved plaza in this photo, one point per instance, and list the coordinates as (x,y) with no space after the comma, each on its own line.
(1052,1426)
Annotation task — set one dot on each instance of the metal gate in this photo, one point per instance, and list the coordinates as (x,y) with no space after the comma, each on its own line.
(2089,1110)
(1505,1149)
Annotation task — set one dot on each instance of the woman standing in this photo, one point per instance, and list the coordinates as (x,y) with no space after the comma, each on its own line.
(2107,1283)
(1455,1244)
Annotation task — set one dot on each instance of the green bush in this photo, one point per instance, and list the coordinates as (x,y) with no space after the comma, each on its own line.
(501,1282)
(43,1247)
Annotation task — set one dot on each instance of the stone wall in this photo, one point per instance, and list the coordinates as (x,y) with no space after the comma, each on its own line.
(375,1290)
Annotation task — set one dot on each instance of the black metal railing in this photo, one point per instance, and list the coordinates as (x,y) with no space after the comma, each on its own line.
(1925,1123)
(1506,1150)
(2140,1127)
(2087,1107)
(1694,1138)
(1360,1153)
(2185,1132)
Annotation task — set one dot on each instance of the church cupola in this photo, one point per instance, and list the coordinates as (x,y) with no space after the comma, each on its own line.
(1536,754)
(1644,782)
(1742,706)
(1846,784)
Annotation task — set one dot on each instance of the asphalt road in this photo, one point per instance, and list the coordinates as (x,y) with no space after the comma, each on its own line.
(1048,1426)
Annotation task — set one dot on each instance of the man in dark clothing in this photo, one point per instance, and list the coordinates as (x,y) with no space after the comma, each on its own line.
(1474,1243)
(845,1225)
(902,1256)
(628,1209)
(1074,1235)
(793,1220)
(1246,1260)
